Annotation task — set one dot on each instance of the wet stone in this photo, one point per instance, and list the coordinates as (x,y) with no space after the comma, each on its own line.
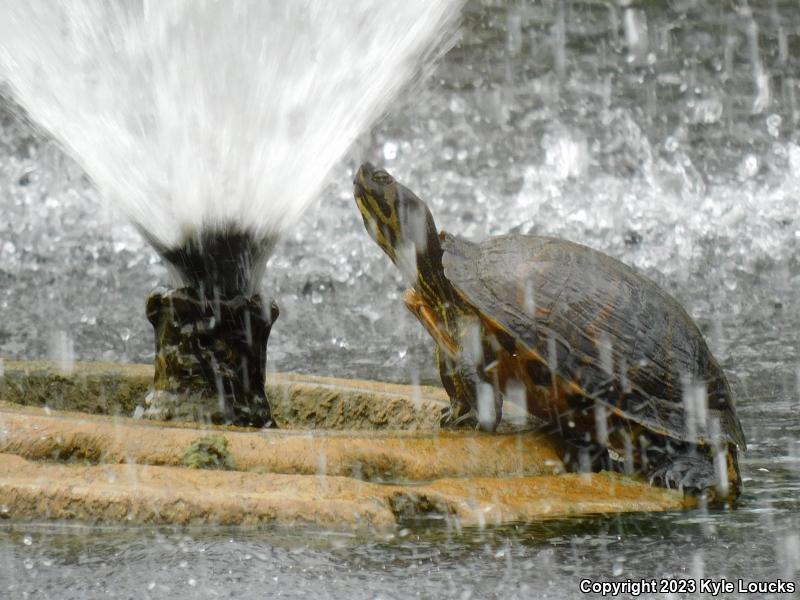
(210,358)
(209,452)
(62,465)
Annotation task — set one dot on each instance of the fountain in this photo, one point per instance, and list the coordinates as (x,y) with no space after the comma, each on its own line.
(662,133)
(213,126)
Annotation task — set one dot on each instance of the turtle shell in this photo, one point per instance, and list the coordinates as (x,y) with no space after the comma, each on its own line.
(600,325)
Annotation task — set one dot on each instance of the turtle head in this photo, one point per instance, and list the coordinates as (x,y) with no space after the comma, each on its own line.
(398,221)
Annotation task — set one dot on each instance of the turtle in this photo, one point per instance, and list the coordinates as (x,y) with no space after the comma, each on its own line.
(612,364)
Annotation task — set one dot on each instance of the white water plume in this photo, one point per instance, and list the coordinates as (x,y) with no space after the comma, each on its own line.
(190,113)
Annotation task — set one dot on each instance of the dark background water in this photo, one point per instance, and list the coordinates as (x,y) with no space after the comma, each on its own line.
(664,134)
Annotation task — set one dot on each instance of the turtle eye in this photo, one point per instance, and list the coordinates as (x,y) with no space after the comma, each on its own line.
(382,177)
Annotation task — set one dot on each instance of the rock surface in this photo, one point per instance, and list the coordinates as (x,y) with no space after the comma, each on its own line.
(368,455)
(304,402)
(163,495)
(351,454)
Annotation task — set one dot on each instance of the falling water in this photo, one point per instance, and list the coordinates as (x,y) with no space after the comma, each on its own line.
(199,114)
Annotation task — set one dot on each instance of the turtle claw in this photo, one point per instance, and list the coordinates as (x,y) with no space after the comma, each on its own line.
(457,416)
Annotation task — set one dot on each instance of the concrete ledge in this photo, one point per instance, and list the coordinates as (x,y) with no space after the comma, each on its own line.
(375,456)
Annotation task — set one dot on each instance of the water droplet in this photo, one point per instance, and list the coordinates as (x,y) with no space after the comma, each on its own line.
(606,353)
(514,33)
(695,404)
(390,150)
(749,166)
(516,402)
(698,565)
(567,154)
(62,351)
(552,355)
(529,297)
(486,406)
(458,105)
(774,125)
(471,343)
(617,569)
(636,36)
(601,423)
(708,111)
(584,461)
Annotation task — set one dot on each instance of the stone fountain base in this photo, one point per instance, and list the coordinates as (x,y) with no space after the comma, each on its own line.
(349,454)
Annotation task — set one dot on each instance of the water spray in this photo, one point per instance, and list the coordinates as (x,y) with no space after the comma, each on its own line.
(211,334)
(212,126)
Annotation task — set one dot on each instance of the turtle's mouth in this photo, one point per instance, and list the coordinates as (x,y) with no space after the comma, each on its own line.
(359,191)
(360,187)
(361,196)
(371,222)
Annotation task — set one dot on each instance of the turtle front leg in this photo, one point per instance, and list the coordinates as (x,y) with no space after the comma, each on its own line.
(431,322)
(474,402)
(459,413)
(464,380)
(485,400)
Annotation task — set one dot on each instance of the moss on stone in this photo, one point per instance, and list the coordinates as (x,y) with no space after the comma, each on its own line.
(94,388)
(209,452)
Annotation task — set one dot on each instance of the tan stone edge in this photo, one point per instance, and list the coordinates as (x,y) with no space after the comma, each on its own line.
(157,495)
(291,476)
(371,455)
(297,401)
